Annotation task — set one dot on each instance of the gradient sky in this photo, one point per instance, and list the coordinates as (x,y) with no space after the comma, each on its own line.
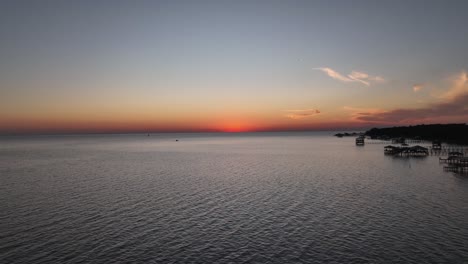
(131,66)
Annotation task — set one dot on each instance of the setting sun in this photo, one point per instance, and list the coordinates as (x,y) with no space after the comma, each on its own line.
(235,126)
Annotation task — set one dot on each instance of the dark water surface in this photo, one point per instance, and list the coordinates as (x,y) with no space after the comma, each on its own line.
(223,198)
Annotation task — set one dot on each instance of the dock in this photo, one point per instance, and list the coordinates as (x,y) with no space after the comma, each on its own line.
(446,150)
(360,141)
(457,160)
(415,151)
(456,164)
(434,148)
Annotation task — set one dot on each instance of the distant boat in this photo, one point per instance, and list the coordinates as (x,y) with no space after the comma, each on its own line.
(176,140)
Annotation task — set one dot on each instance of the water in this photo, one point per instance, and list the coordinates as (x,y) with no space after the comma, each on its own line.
(225,198)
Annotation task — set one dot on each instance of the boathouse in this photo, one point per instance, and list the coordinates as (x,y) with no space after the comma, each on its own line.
(406,151)
(416,151)
(360,141)
(390,149)
(456,164)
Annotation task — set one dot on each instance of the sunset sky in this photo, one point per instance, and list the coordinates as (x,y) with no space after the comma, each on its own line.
(149,66)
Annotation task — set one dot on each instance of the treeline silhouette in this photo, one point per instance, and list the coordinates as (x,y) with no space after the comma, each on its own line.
(450,133)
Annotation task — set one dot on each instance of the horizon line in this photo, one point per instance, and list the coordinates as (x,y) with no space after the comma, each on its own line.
(47,132)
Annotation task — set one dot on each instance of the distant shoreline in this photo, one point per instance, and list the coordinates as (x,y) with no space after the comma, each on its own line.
(448,133)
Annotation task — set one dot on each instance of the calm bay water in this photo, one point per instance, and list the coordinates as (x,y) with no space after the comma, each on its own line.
(225,198)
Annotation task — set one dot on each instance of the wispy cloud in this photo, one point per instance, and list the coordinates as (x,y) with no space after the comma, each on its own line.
(459,87)
(418,87)
(334,74)
(357,112)
(301,113)
(452,105)
(354,76)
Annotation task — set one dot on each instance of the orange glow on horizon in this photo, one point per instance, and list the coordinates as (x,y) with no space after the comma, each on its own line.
(230,125)
(235,127)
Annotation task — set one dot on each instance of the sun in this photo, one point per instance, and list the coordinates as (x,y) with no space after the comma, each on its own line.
(235,127)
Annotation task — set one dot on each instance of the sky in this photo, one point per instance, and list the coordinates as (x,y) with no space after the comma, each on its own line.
(231,66)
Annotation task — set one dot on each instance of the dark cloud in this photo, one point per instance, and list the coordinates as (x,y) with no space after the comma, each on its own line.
(453,104)
(457,107)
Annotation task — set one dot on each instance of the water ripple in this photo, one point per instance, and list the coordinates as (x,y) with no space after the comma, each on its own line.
(292,199)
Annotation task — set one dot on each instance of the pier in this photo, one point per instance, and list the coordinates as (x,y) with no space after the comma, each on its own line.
(415,151)
(395,142)
(434,148)
(455,164)
(456,156)
(447,150)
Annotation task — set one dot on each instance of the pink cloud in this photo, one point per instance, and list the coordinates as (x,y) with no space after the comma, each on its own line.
(417,87)
(354,76)
(301,113)
(452,105)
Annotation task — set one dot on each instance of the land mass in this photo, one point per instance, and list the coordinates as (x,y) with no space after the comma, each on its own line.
(450,133)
